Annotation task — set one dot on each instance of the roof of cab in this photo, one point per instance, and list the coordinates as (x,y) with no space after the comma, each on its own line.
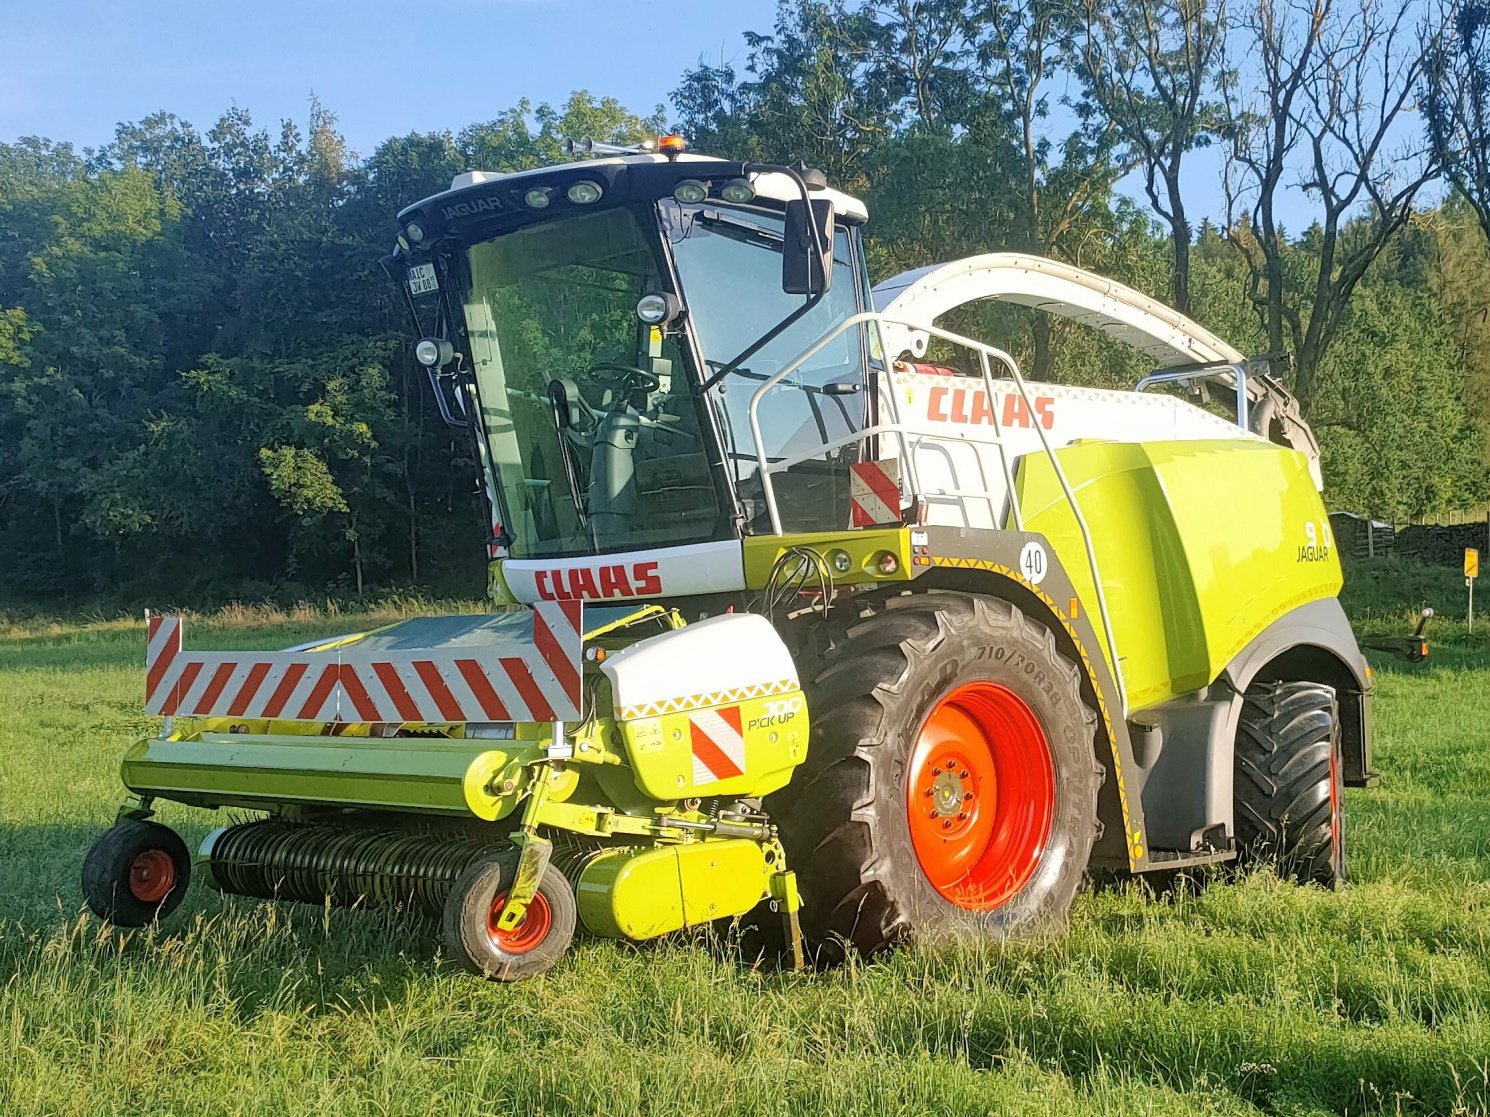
(777,187)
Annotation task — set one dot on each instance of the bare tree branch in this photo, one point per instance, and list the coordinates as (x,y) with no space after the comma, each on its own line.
(1321,97)
(1150,65)
(1456,84)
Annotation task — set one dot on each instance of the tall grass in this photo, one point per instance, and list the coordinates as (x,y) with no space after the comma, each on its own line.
(1244,997)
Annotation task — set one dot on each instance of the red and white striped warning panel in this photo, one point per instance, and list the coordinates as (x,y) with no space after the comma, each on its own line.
(511,676)
(718,744)
(874,493)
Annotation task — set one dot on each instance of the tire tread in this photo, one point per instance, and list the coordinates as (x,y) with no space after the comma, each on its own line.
(1287,734)
(829,815)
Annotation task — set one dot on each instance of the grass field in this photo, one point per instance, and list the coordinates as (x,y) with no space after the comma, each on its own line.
(1245,997)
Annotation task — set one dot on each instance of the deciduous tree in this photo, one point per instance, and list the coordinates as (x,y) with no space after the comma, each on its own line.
(1316,89)
(1151,67)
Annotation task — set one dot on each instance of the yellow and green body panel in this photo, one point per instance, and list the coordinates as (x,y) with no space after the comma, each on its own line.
(763,739)
(1200,545)
(863,552)
(427,775)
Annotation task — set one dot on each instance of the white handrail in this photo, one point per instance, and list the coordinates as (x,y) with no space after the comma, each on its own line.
(1086,532)
(897,428)
(998,430)
(774,379)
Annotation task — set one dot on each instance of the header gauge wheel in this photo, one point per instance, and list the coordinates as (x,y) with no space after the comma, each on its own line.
(137,872)
(951,784)
(470,926)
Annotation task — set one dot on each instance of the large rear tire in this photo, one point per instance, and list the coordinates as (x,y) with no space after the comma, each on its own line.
(951,784)
(1289,794)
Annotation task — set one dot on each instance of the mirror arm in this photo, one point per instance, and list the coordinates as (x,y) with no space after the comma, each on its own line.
(436,378)
(786,323)
(818,244)
(762,341)
(447,416)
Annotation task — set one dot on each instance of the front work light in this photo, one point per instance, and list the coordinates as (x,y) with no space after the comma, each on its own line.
(738,191)
(433,352)
(584,192)
(538,197)
(414,232)
(691,191)
(658,308)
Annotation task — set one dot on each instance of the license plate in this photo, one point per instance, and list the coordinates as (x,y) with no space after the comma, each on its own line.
(422,280)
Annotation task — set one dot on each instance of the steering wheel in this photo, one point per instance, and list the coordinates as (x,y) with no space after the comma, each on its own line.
(625,377)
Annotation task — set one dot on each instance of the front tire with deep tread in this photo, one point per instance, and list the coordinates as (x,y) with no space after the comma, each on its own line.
(1289,794)
(844,817)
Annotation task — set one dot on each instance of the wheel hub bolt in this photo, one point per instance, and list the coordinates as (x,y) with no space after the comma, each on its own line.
(967,796)
(947,825)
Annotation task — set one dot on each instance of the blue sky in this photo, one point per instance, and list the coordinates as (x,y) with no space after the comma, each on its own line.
(74,68)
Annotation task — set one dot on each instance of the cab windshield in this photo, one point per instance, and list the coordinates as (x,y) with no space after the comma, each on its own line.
(729,262)
(587,412)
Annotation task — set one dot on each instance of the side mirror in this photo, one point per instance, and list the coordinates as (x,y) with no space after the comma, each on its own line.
(570,412)
(804,270)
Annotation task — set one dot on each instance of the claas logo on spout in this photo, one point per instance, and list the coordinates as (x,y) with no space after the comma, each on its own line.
(971,405)
(636,579)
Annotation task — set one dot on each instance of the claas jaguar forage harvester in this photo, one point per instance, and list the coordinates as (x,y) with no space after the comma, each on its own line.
(806,608)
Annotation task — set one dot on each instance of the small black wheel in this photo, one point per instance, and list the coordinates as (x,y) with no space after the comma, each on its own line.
(533,946)
(1289,801)
(136,873)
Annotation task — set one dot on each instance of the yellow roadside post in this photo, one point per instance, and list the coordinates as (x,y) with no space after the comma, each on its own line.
(1471,572)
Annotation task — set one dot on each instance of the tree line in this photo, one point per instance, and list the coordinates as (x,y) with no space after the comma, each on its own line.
(205,380)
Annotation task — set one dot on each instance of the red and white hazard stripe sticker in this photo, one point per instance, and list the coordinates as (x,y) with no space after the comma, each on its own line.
(536,680)
(164,636)
(718,744)
(874,493)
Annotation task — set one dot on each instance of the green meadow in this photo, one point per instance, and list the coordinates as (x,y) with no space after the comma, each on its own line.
(1242,996)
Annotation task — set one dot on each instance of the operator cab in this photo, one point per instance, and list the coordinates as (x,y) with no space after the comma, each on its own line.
(603,325)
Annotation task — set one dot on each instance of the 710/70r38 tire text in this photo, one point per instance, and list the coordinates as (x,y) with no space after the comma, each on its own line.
(951,784)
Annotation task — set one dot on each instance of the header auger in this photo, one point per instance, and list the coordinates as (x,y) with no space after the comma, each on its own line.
(807,610)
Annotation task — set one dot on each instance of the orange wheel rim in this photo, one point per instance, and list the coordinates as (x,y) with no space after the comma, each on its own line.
(152,875)
(980,795)
(531,930)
